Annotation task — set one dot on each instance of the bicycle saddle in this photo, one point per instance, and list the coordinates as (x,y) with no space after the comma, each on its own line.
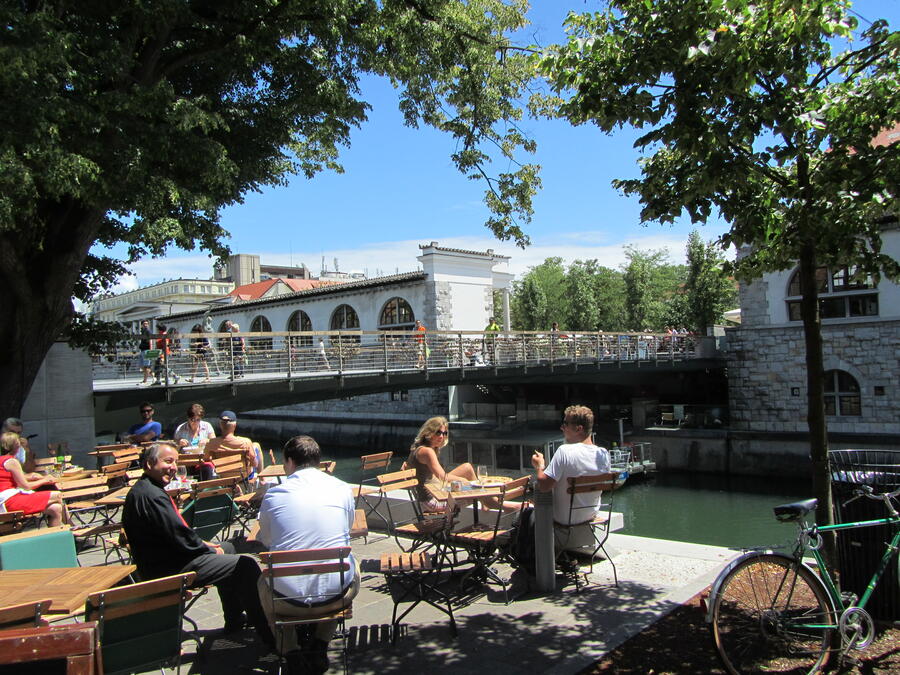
(787,513)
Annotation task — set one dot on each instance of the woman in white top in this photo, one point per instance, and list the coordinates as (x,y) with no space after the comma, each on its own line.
(193,434)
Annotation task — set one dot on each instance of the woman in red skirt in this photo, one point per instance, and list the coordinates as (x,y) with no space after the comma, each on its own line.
(16,489)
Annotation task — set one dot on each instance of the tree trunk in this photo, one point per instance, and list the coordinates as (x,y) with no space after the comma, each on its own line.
(815,393)
(38,276)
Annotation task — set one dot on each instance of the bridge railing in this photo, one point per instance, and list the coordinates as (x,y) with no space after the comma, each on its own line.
(232,356)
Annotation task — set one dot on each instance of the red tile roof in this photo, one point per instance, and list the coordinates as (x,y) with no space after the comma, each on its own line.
(260,288)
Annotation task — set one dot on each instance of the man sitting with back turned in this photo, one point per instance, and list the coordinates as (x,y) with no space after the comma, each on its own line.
(228,440)
(163,544)
(310,509)
(578,457)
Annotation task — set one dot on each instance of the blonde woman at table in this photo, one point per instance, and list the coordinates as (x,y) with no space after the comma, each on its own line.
(433,480)
(17,490)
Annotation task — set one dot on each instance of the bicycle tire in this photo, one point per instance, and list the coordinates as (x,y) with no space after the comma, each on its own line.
(752,614)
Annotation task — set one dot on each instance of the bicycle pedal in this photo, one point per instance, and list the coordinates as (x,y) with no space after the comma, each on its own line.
(849,598)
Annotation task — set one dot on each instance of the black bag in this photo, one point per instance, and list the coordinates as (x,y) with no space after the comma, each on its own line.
(521,541)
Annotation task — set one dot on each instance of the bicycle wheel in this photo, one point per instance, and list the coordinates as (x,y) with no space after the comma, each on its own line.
(772,615)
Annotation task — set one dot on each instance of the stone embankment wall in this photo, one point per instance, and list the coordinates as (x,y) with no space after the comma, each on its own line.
(372,423)
(767,376)
(60,405)
(746,454)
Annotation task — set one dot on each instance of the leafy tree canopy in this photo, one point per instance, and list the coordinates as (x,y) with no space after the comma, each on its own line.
(752,112)
(762,111)
(135,122)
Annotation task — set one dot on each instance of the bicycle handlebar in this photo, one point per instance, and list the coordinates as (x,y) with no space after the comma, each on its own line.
(867,492)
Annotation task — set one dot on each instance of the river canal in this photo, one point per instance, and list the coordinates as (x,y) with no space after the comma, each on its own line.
(709,509)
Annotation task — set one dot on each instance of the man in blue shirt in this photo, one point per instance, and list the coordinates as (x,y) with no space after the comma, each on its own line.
(146,429)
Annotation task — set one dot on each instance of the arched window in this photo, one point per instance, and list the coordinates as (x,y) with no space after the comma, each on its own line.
(344,318)
(841,394)
(396,315)
(843,291)
(299,321)
(260,324)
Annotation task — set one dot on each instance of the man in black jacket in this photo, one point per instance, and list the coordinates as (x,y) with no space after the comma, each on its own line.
(163,544)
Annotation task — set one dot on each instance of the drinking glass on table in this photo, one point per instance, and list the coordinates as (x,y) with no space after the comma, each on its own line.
(182,474)
(481,472)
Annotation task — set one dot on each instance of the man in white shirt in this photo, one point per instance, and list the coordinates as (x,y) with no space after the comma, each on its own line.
(310,509)
(578,457)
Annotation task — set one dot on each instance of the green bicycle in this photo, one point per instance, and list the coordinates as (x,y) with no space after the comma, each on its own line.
(771,611)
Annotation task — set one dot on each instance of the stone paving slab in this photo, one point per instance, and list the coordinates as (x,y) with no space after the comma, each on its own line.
(561,632)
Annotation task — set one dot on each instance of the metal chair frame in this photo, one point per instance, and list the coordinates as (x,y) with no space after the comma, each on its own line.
(304,562)
(601,520)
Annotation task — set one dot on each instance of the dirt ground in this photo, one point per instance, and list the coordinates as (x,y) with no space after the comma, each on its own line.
(681,643)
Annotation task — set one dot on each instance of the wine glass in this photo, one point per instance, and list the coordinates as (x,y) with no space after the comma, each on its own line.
(481,472)
(182,474)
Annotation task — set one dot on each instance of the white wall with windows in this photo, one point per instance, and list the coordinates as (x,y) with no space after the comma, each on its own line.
(845,293)
(860,338)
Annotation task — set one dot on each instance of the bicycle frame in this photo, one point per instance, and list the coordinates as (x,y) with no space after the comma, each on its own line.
(889,551)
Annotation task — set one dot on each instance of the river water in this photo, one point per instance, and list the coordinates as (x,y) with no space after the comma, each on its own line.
(709,509)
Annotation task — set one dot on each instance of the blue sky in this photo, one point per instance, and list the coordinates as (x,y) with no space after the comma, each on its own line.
(400,189)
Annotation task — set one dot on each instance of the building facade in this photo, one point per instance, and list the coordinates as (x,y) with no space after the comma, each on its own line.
(861,345)
(453,291)
(167,297)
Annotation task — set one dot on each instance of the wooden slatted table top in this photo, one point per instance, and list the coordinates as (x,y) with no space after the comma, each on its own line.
(67,587)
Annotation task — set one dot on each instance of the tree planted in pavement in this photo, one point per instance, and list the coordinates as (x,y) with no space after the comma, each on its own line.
(761,112)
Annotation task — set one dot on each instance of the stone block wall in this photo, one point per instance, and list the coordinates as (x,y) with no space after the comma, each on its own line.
(60,405)
(767,376)
(439,305)
(754,303)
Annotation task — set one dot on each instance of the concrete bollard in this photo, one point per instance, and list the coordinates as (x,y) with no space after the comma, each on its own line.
(544,554)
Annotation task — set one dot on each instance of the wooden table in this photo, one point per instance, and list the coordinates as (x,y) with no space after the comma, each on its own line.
(273,471)
(66,587)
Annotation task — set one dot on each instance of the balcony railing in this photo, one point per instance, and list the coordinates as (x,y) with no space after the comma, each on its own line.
(292,355)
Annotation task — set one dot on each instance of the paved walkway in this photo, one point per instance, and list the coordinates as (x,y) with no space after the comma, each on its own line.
(561,632)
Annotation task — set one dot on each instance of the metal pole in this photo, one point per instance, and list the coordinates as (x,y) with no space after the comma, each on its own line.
(384,342)
(544,550)
(621,432)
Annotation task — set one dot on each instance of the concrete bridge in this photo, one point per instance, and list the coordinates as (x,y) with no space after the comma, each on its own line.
(272,369)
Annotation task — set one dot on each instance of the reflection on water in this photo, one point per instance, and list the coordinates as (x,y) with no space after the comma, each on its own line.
(709,509)
(698,508)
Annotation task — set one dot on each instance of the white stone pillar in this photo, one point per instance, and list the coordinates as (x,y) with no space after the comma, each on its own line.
(506,321)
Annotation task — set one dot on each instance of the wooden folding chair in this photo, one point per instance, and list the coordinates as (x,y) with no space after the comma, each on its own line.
(140,625)
(211,509)
(369,467)
(44,647)
(481,540)
(583,516)
(44,463)
(26,615)
(327,466)
(418,528)
(80,496)
(278,564)
(11,522)
(413,577)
